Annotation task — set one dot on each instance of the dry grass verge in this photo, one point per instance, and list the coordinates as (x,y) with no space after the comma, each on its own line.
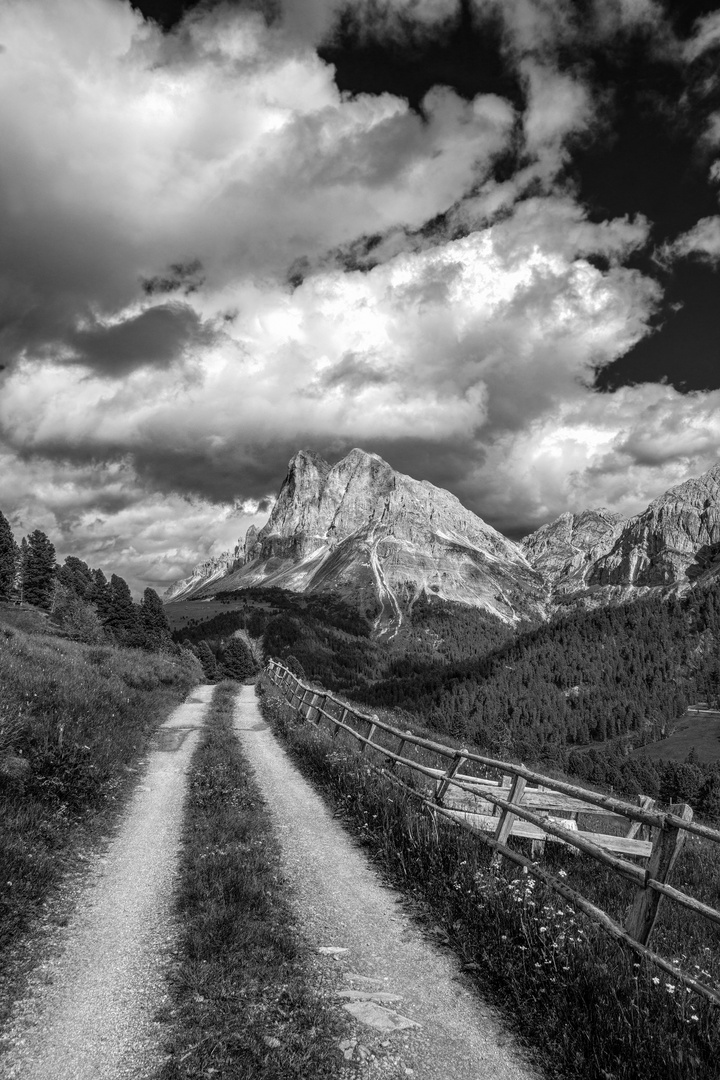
(243,1004)
(589,1007)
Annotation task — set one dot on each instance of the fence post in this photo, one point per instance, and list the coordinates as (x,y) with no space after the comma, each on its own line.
(336,729)
(459,759)
(371,732)
(507,817)
(637,827)
(643,910)
(392,764)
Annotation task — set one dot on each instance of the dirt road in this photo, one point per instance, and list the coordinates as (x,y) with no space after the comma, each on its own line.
(89,1011)
(416,1014)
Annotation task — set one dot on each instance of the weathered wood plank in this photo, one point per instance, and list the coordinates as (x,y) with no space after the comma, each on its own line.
(643,911)
(620,844)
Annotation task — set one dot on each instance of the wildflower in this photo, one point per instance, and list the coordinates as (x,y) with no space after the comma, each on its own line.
(656,980)
(694,1016)
(561,873)
(670,987)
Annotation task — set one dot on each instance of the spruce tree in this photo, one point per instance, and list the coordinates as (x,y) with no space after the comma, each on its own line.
(99,594)
(236,660)
(123,617)
(207,659)
(9,559)
(39,570)
(156,628)
(77,577)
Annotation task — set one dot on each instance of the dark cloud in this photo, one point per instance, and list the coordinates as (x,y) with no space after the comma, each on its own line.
(187,277)
(157,337)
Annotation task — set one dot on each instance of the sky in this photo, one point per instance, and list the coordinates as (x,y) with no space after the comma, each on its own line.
(477,237)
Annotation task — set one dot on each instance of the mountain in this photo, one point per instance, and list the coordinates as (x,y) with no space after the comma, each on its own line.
(566,551)
(380,538)
(659,546)
(203,574)
(667,546)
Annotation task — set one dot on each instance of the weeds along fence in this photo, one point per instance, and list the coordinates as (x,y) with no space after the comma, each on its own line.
(495,800)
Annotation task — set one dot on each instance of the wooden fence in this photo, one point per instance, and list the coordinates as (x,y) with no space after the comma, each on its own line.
(526,804)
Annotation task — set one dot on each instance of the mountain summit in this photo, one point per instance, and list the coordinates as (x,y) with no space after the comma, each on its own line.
(380,538)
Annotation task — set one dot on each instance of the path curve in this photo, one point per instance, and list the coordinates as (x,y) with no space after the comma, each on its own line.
(341,903)
(88,1013)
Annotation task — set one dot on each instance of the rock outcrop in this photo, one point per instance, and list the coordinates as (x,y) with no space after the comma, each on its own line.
(203,574)
(657,547)
(599,557)
(380,537)
(566,551)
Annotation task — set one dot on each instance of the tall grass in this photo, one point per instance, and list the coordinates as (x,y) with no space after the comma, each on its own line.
(243,1004)
(588,1005)
(74,721)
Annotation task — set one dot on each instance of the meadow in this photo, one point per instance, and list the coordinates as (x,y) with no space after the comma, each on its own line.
(590,1008)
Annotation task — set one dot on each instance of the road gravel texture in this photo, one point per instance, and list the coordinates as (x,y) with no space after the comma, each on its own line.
(422,1018)
(88,1012)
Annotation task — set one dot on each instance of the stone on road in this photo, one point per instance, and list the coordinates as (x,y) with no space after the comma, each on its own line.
(445,1031)
(89,1011)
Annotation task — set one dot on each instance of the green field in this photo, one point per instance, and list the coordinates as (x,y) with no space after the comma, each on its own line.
(700,730)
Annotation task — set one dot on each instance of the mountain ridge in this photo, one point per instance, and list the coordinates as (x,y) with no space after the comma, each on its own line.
(380,538)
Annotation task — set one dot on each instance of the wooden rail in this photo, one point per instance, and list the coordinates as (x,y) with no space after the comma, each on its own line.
(509,807)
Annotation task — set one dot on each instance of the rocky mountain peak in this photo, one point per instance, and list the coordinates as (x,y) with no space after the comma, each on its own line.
(381,537)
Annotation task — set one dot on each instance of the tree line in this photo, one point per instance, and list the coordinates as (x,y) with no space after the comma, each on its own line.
(82,601)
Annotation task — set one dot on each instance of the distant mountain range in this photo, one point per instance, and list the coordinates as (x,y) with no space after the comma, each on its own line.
(381,538)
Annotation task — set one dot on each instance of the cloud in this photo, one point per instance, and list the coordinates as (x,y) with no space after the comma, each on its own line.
(702,241)
(470,341)
(157,337)
(706,36)
(212,257)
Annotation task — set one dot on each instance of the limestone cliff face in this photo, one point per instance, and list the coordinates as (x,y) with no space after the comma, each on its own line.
(379,536)
(566,551)
(657,547)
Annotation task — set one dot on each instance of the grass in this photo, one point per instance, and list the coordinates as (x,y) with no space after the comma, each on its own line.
(243,999)
(694,731)
(592,1010)
(75,721)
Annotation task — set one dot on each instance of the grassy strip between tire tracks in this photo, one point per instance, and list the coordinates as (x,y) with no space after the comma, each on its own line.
(587,1007)
(242,1002)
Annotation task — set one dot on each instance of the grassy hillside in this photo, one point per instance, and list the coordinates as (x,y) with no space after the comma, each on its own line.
(74,722)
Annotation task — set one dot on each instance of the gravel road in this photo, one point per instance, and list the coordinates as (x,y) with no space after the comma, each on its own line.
(89,1010)
(341,904)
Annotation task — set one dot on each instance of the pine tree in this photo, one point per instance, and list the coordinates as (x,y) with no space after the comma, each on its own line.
(123,617)
(156,628)
(9,559)
(39,570)
(236,660)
